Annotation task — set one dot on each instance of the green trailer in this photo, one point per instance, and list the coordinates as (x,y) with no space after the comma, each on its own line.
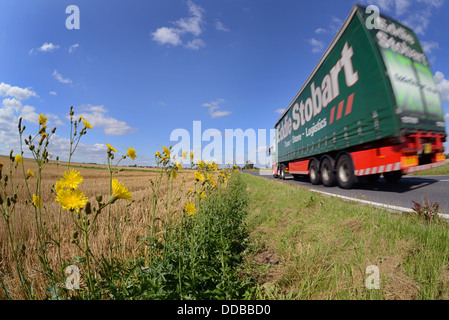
(373,88)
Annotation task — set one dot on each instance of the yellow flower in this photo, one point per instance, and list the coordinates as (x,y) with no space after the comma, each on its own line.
(166,151)
(42,119)
(72,179)
(110,147)
(36,201)
(87,124)
(131,153)
(184,154)
(190,208)
(18,158)
(174,174)
(190,190)
(59,185)
(71,199)
(199,176)
(202,195)
(191,155)
(1,165)
(178,164)
(158,154)
(120,191)
(30,173)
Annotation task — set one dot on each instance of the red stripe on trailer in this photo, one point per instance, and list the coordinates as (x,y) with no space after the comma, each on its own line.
(332,115)
(349,105)
(340,109)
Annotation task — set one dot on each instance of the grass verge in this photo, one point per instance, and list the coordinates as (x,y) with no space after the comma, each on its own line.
(439,171)
(308,246)
(199,258)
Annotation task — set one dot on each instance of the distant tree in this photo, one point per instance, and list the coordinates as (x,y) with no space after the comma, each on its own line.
(248,165)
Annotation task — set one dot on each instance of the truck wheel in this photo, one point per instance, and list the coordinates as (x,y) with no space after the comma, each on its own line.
(282,172)
(393,177)
(314,173)
(345,172)
(327,173)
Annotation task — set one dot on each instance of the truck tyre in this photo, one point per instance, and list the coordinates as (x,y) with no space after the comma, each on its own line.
(282,172)
(345,172)
(327,172)
(314,173)
(393,177)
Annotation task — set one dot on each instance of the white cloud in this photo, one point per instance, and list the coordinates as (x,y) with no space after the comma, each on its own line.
(220,26)
(195,44)
(28,114)
(320,31)
(53,93)
(72,47)
(214,107)
(11,110)
(60,78)
(190,25)
(317,46)
(7,90)
(280,111)
(166,35)
(97,117)
(59,146)
(429,46)
(46,47)
(443,86)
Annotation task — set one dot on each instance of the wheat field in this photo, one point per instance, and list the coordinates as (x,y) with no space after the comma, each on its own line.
(131,219)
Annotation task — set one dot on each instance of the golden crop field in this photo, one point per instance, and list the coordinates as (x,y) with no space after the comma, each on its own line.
(130,219)
(91,220)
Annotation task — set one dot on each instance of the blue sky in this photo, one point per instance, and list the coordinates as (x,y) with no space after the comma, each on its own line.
(137,70)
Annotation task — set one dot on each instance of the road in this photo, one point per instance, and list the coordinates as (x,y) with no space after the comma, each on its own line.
(401,194)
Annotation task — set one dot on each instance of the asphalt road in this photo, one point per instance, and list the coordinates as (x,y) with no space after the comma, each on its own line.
(401,194)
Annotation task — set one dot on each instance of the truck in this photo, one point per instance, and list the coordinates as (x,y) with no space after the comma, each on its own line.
(370,108)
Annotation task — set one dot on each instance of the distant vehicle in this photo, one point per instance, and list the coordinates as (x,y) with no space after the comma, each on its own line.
(370,107)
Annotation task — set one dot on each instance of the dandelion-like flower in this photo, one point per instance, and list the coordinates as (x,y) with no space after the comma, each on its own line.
(178,165)
(37,201)
(87,124)
(18,158)
(131,153)
(158,154)
(167,151)
(42,119)
(199,176)
(191,155)
(202,195)
(59,185)
(190,208)
(72,179)
(30,173)
(120,191)
(110,147)
(184,155)
(71,199)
